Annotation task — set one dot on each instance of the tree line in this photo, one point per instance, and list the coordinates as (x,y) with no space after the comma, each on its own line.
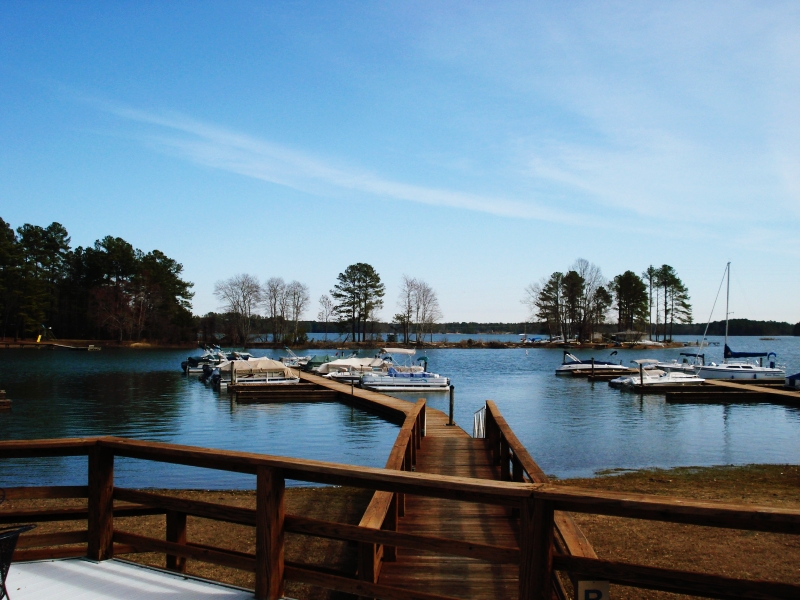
(352,308)
(275,305)
(576,303)
(110,290)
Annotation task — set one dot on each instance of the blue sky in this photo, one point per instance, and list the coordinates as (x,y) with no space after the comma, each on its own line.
(478,146)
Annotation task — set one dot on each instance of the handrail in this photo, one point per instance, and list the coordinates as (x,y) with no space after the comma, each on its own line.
(508,450)
(537,504)
(386,508)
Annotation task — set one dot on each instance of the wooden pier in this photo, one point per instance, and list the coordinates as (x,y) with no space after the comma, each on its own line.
(440,449)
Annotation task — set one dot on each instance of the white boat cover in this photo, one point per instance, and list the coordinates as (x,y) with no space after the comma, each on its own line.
(262,365)
(346,364)
(410,352)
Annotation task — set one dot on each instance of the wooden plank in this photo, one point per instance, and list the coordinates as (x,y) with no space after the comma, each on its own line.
(678,582)
(53,447)
(673,510)
(196,508)
(442,486)
(45,492)
(270,508)
(357,587)
(723,383)
(52,539)
(47,515)
(536,547)
(340,531)
(101,503)
(49,553)
(217,556)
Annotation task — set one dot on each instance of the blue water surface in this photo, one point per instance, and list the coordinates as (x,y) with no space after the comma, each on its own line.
(571,427)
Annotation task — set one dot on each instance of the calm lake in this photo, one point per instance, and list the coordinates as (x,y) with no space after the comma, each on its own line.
(572,428)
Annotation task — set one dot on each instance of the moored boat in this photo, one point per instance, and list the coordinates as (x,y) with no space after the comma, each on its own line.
(650,375)
(739,368)
(263,371)
(397,381)
(572,363)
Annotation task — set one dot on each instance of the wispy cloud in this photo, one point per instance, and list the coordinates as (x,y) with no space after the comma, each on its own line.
(221,148)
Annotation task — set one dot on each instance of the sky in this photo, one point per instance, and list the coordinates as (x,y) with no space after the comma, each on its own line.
(479,146)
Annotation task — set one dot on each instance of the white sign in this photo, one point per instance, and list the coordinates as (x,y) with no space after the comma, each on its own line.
(593,590)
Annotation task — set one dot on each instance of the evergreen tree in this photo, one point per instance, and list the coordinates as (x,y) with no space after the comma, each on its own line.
(359,294)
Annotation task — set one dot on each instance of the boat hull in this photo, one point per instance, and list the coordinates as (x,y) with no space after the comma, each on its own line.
(753,372)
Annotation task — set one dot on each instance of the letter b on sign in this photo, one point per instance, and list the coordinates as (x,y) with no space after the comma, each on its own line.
(593,590)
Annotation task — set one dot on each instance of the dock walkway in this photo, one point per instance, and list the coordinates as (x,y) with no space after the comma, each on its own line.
(445,450)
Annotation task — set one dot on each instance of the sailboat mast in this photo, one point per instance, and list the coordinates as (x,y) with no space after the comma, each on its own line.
(727,304)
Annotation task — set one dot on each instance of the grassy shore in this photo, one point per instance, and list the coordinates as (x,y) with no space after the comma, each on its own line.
(732,553)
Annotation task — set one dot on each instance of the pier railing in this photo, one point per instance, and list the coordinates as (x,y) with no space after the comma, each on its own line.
(386,508)
(516,464)
(538,555)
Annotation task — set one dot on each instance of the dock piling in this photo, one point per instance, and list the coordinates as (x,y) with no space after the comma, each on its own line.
(451,423)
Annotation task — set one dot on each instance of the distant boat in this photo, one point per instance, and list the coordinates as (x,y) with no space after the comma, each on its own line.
(687,365)
(572,363)
(293,360)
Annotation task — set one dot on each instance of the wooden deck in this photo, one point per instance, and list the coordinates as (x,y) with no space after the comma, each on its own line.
(445,450)
(450,451)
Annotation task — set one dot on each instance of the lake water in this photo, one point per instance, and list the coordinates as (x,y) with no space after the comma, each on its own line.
(572,428)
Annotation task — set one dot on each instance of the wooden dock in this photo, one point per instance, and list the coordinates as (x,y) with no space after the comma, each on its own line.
(441,449)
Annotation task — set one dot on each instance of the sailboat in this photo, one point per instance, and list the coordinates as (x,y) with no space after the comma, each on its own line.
(740,369)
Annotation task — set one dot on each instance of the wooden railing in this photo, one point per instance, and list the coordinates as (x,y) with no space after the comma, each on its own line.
(386,508)
(538,505)
(516,464)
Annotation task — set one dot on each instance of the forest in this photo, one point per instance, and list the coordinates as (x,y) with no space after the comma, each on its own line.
(110,290)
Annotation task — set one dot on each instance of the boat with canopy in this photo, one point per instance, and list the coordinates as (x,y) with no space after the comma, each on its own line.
(393,377)
(261,371)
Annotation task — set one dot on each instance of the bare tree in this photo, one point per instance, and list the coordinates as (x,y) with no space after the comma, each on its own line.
(297,299)
(240,296)
(426,309)
(593,281)
(274,295)
(325,311)
(406,303)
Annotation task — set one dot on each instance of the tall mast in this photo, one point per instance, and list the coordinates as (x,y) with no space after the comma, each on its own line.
(727,303)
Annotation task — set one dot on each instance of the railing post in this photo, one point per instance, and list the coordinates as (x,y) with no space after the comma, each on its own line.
(536,549)
(176,533)
(101,503)
(505,460)
(390,552)
(517,472)
(270,488)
